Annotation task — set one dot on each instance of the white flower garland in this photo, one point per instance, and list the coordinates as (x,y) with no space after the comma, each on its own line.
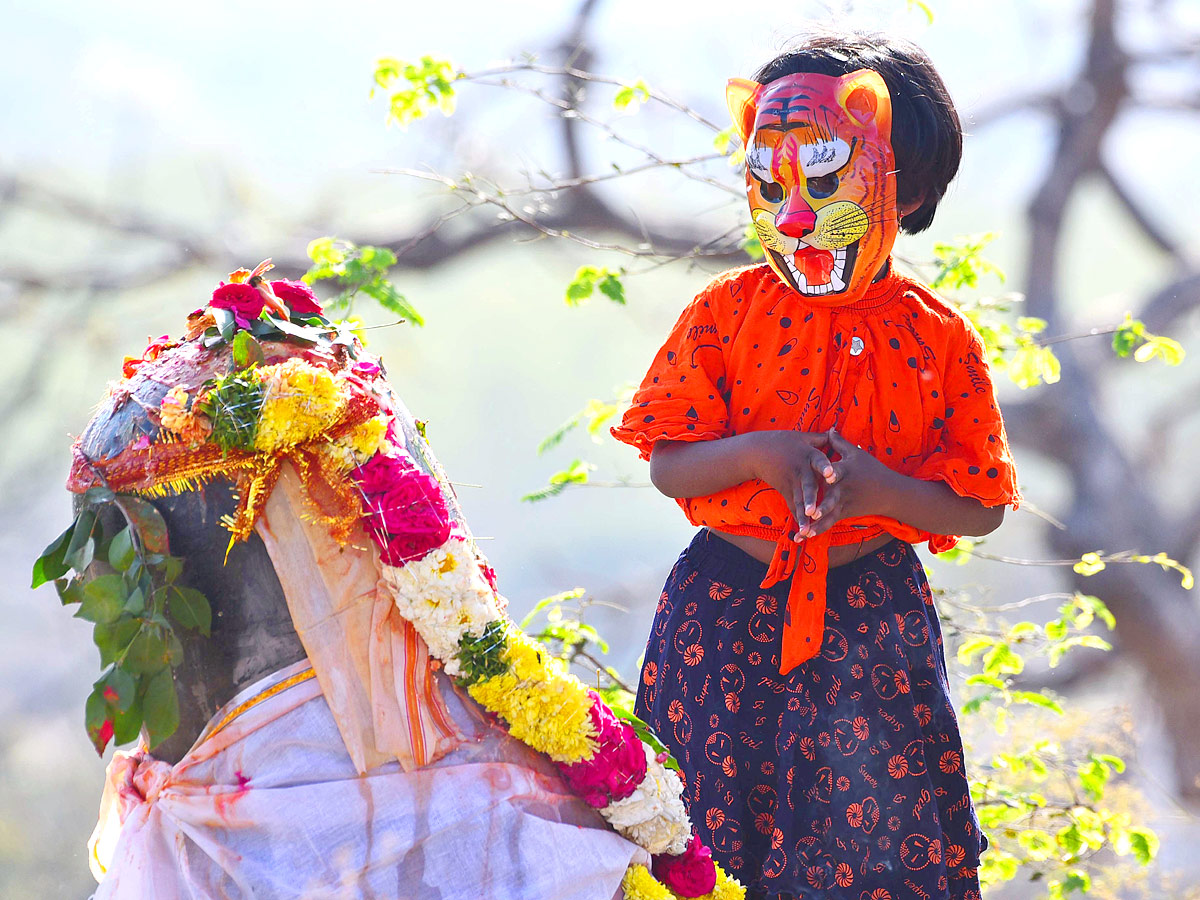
(653,816)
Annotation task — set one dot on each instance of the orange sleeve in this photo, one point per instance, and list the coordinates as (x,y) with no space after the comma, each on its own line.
(680,399)
(972,454)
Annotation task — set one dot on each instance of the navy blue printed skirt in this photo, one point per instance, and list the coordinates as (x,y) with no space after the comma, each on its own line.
(842,780)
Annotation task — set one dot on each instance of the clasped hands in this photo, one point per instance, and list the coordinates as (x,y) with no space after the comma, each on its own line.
(823,477)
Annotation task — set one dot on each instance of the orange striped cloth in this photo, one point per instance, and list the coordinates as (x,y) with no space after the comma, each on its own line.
(898,372)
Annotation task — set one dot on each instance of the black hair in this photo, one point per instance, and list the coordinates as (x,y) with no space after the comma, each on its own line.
(926,133)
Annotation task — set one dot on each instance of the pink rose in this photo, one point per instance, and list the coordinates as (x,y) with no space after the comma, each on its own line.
(244,301)
(378,473)
(691,874)
(404,509)
(618,765)
(298,296)
(364,368)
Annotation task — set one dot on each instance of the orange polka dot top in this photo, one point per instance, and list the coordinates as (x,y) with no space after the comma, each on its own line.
(898,372)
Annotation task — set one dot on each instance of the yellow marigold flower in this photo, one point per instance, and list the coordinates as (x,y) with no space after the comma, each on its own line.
(727,888)
(529,659)
(549,711)
(639,884)
(300,402)
(359,444)
(367,439)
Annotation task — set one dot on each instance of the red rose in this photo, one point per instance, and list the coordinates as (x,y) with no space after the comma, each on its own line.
(405,511)
(380,472)
(618,765)
(298,296)
(244,301)
(691,874)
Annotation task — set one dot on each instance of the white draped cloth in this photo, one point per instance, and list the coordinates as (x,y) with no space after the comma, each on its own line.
(268,804)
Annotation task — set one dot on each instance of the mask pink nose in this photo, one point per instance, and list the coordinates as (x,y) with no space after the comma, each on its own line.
(796,219)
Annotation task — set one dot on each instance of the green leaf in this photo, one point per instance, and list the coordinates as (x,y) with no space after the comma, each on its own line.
(989,680)
(113,637)
(120,550)
(325,251)
(247,351)
(723,141)
(624,712)
(147,652)
(1145,845)
(69,591)
(80,550)
(423,86)
(385,293)
(628,94)
(575,473)
(582,285)
(51,564)
(97,720)
(612,288)
(160,708)
(968,650)
(135,603)
(172,568)
(553,599)
(482,657)
(128,724)
(119,688)
(148,521)
(225,322)
(1077,880)
(1002,660)
(103,599)
(556,437)
(1036,698)
(191,609)
(301,333)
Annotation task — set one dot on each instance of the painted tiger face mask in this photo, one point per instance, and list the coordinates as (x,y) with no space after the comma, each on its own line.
(820,176)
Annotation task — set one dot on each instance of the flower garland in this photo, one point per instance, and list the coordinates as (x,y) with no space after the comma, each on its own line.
(444,587)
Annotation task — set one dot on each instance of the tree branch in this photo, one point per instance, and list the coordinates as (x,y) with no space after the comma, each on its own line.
(1150,228)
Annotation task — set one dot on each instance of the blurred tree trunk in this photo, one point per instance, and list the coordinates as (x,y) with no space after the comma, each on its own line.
(1112,498)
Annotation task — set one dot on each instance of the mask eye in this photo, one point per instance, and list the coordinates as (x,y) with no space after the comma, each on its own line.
(771,191)
(824,186)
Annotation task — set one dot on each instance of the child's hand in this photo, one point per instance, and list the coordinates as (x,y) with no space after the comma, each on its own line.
(793,464)
(858,487)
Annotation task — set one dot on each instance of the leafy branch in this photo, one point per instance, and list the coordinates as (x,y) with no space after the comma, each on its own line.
(126,584)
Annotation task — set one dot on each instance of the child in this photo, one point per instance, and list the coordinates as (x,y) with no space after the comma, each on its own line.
(819,413)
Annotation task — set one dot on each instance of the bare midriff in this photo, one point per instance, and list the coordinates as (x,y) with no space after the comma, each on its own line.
(839,555)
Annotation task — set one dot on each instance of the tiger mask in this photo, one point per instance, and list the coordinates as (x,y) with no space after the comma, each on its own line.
(820,177)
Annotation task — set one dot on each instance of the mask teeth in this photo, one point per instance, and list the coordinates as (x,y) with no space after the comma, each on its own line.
(837,277)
